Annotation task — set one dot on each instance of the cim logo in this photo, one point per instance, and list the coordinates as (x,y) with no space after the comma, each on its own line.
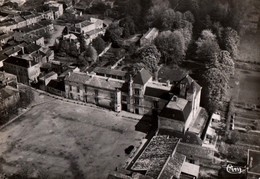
(234,169)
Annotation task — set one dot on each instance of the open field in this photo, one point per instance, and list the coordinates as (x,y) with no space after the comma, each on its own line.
(247,87)
(67,140)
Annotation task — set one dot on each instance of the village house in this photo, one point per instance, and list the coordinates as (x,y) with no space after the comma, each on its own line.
(3,57)
(26,71)
(5,37)
(56,87)
(7,79)
(140,94)
(99,90)
(44,79)
(56,8)
(149,36)
(183,108)
(9,97)
(39,28)
(9,94)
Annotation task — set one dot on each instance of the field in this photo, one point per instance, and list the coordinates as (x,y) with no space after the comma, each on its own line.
(66,140)
(245,90)
(248,87)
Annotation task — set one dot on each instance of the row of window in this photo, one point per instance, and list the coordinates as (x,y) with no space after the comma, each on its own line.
(124,98)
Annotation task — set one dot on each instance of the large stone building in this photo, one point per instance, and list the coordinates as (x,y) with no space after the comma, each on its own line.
(26,71)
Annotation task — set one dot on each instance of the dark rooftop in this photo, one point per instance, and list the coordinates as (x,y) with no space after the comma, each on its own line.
(142,77)
(59,85)
(176,110)
(171,74)
(18,61)
(158,93)
(31,48)
(108,71)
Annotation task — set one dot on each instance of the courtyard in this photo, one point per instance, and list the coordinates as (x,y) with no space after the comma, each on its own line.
(65,140)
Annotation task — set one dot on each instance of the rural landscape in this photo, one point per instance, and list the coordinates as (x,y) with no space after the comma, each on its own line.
(129,89)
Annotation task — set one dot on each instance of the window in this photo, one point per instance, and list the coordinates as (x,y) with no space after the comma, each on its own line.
(123,98)
(155,104)
(70,88)
(78,89)
(86,88)
(137,91)
(96,92)
(136,100)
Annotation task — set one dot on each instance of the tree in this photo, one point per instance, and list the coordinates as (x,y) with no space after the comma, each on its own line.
(207,46)
(231,41)
(83,43)
(150,57)
(226,63)
(153,17)
(69,48)
(90,55)
(128,26)
(113,33)
(171,45)
(99,44)
(215,83)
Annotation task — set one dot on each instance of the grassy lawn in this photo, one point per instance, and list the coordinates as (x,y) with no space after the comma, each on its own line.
(67,140)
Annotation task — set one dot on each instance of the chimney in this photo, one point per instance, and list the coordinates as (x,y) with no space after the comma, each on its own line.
(174,98)
(168,82)
(30,63)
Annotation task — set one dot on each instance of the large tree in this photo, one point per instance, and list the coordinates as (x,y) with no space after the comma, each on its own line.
(171,45)
(89,55)
(226,63)
(128,26)
(99,44)
(231,41)
(207,47)
(215,84)
(150,57)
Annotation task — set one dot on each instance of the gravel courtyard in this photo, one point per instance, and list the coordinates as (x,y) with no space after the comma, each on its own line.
(66,140)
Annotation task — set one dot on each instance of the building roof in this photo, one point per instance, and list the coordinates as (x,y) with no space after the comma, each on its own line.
(155,154)
(32,48)
(150,33)
(59,85)
(108,71)
(177,110)
(6,76)
(157,93)
(6,92)
(19,62)
(171,74)
(253,161)
(174,166)
(190,169)
(3,57)
(105,83)
(191,150)
(12,50)
(50,74)
(77,77)
(142,77)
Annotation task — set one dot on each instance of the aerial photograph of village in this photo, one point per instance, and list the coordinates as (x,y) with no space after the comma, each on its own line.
(129,89)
